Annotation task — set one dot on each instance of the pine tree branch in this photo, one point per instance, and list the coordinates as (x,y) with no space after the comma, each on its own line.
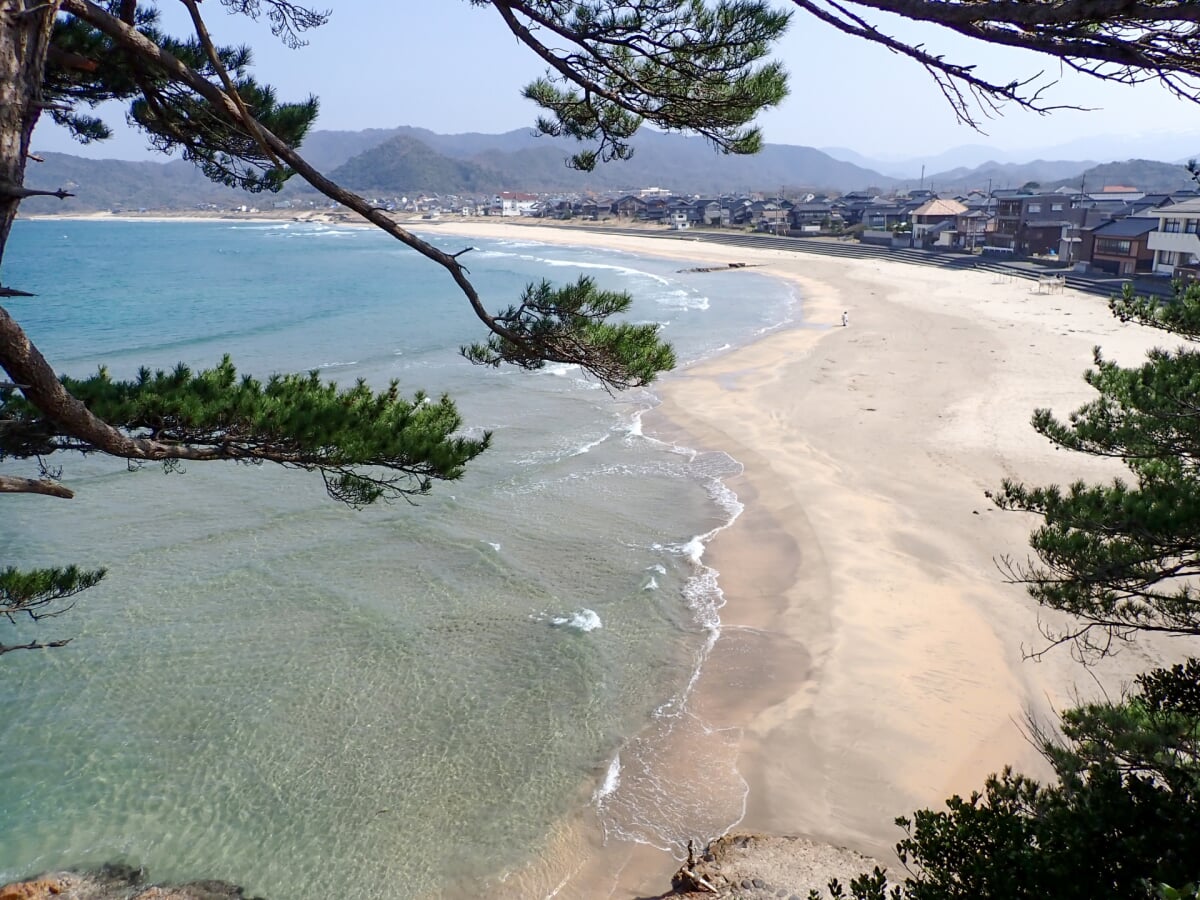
(215,60)
(133,40)
(10,484)
(20,192)
(1123,41)
(987,96)
(34,645)
(137,43)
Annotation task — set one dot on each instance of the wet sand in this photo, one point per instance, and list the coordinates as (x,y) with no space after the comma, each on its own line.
(872,653)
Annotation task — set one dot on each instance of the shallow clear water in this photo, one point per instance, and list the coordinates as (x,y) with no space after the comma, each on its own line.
(311,701)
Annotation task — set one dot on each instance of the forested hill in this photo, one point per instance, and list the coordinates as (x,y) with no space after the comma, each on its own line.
(407,160)
(116,183)
(1145,174)
(517,160)
(404,165)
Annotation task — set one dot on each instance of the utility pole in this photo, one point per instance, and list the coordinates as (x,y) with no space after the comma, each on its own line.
(1082,216)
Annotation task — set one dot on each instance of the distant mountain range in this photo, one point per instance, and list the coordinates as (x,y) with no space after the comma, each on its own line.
(405,160)
(1165,146)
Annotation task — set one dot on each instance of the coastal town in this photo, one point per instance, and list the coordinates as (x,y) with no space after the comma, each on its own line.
(1117,230)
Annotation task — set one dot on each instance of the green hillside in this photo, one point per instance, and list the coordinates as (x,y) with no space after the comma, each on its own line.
(405,165)
(1144,174)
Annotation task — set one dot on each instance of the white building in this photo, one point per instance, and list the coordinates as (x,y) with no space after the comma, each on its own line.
(512,203)
(1176,244)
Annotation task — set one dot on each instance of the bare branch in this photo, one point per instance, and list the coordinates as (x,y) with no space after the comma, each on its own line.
(20,192)
(1123,41)
(10,484)
(34,645)
(138,43)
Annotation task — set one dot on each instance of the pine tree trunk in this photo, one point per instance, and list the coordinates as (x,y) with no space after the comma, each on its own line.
(25,27)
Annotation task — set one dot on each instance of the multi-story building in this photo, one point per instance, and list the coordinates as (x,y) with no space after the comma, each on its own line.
(1034,224)
(1176,244)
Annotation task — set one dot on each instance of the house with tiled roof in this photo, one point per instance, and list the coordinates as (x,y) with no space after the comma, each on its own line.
(936,220)
(1120,246)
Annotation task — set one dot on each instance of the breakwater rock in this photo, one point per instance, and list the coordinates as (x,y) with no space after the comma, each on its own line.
(117,882)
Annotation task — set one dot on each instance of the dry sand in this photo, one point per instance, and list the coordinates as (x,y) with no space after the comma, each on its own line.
(871,661)
(872,653)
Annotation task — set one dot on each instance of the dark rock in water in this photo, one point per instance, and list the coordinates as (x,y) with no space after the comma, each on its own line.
(117,881)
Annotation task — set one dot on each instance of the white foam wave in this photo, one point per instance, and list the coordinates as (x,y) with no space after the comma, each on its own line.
(612,780)
(321,232)
(656,805)
(495,546)
(657,567)
(560,370)
(683,299)
(634,429)
(472,432)
(581,620)
(651,584)
(693,549)
(521,244)
(576,264)
(587,448)
(337,365)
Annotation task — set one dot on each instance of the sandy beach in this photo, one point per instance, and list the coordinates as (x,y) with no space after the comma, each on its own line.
(872,656)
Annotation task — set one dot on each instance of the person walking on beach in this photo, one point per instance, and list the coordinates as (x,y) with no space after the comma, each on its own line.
(845,318)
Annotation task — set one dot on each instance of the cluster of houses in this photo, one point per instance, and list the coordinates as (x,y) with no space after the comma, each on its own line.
(1119,230)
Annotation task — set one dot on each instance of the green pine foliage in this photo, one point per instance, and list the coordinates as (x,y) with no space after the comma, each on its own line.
(41,593)
(1122,557)
(174,117)
(368,445)
(572,324)
(678,64)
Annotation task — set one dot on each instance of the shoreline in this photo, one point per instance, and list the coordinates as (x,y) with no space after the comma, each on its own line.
(870,656)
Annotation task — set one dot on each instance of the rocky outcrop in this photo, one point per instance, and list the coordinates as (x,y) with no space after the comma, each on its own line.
(117,882)
(767,867)
(37,889)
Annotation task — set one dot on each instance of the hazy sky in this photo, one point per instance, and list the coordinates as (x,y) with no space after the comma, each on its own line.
(451,67)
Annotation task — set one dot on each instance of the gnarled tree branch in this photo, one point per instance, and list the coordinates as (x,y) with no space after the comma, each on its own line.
(10,484)
(1123,41)
(134,41)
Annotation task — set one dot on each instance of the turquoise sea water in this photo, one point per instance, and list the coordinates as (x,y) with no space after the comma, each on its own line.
(310,701)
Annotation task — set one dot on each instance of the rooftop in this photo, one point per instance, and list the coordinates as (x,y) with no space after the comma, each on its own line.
(1133,226)
(940,208)
(1187,207)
